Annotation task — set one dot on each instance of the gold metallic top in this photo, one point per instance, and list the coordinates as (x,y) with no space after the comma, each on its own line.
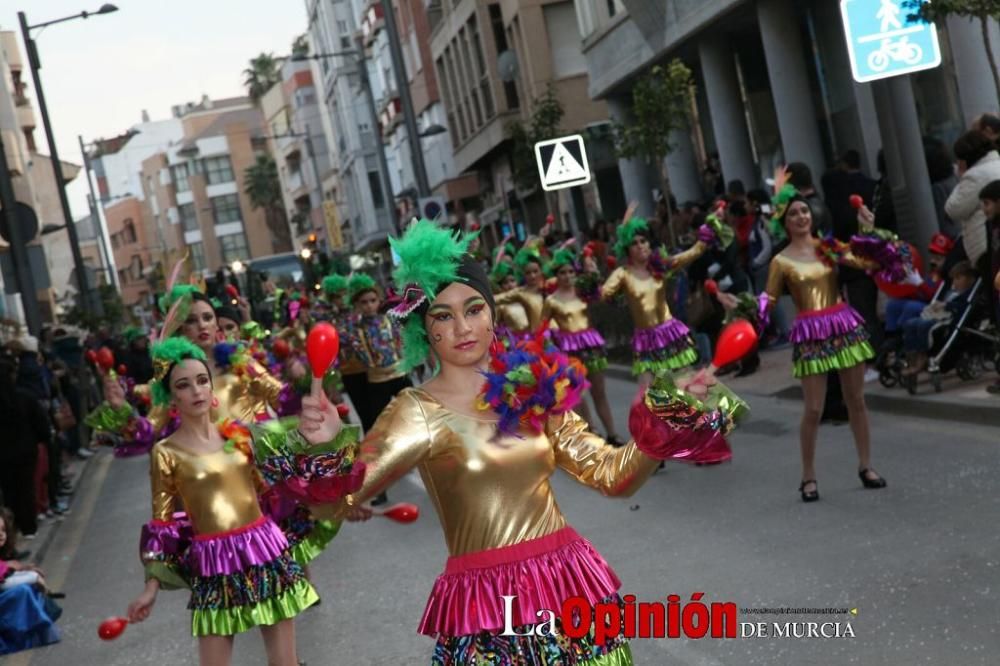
(242,398)
(812,284)
(531,300)
(489,493)
(513,316)
(218,490)
(569,316)
(647,297)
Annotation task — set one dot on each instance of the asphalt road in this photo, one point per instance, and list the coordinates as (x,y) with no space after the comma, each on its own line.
(920,560)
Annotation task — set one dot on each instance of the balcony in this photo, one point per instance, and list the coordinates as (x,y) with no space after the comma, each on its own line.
(390,116)
(373,20)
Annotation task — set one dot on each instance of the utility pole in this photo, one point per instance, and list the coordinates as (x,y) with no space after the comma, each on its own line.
(18,248)
(403,85)
(383,165)
(96,215)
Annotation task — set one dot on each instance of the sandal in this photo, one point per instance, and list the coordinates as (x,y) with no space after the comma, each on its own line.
(871,483)
(812,495)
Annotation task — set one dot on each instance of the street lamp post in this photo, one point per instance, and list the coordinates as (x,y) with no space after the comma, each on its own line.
(366,85)
(35,64)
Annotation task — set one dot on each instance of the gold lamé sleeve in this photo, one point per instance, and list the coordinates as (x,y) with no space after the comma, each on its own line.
(398,442)
(511,296)
(547,310)
(162,483)
(687,257)
(158,417)
(264,386)
(775,283)
(613,284)
(615,472)
(851,260)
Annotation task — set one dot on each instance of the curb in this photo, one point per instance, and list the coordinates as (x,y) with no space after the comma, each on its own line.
(975,414)
(986,415)
(54,524)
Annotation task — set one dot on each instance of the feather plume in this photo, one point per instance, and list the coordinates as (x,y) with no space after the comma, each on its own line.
(429,256)
(176,271)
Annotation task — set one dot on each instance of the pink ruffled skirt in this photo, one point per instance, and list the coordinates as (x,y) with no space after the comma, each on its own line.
(542,573)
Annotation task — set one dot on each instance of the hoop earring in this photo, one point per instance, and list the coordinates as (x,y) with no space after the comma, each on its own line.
(215,402)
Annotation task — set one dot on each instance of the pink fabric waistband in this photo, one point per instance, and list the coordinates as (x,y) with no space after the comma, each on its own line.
(493,557)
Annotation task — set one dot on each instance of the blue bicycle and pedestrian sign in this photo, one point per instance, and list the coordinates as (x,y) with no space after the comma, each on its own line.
(883,41)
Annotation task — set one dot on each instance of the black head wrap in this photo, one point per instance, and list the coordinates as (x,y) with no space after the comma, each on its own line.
(472,273)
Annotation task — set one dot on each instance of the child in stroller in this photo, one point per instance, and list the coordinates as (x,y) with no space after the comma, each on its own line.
(947,333)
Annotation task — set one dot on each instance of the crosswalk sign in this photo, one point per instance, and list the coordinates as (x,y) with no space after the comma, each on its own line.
(562,162)
(882,40)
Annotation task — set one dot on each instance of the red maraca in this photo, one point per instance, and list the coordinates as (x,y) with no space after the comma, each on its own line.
(856,201)
(105,359)
(322,347)
(232,291)
(404,512)
(711,287)
(122,369)
(281,348)
(735,342)
(112,628)
(343,410)
(91,356)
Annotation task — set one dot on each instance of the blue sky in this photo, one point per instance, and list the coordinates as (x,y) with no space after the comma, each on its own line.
(99,74)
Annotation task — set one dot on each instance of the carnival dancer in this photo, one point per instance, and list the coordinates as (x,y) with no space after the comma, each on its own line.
(659,341)
(575,336)
(486,460)
(529,269)
(828,335)
(510,316)
(225,548)
(378,344)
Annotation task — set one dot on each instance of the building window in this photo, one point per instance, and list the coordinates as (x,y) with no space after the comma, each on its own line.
(179,174)
(234,246)
(376,187)
(217,169)
(128,231)
(189,219)
(197,255)
(123,276)
(226,209)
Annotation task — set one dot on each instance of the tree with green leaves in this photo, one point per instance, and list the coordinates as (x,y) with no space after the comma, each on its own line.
(661,105)
(264,71)
(112,315)
(981,10)
(300,47)
(546,114)
(263,187)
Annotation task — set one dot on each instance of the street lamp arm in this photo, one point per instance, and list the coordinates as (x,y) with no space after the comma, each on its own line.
(106,8)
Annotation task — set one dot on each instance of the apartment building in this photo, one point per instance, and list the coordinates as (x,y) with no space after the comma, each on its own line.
(195,190)
(296,139)
(493,60)
(33,181)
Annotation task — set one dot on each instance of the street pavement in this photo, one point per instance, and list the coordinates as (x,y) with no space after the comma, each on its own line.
(919,560)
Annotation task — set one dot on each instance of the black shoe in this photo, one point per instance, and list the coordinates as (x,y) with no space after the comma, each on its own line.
(871,483)
(812,495)
(381,499)
(615,442)
(57,595)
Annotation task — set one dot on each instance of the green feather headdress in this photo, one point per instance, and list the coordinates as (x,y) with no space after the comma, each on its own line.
(500,271)
(359,283)
(334,284)
(132,333)
(564,256)
(166,354)
(627,233)
(525,256)
(784,194)
(429,258)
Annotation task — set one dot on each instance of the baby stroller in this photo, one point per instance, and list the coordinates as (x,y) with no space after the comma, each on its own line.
(890,358)
(966,344)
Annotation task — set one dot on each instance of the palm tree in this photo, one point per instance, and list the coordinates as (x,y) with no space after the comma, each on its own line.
(262,186)
(264,71)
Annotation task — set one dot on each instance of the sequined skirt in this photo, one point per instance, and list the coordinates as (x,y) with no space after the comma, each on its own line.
(833,338)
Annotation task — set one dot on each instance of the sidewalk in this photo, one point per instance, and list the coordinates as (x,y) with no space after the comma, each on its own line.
(966,402)
(48,528)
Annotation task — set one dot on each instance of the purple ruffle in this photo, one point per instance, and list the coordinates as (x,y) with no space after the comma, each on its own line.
(235,551)
(164,541)
(835,321)
(137,439)
(892,256)
(659,337)
(569,343)
(289,401)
